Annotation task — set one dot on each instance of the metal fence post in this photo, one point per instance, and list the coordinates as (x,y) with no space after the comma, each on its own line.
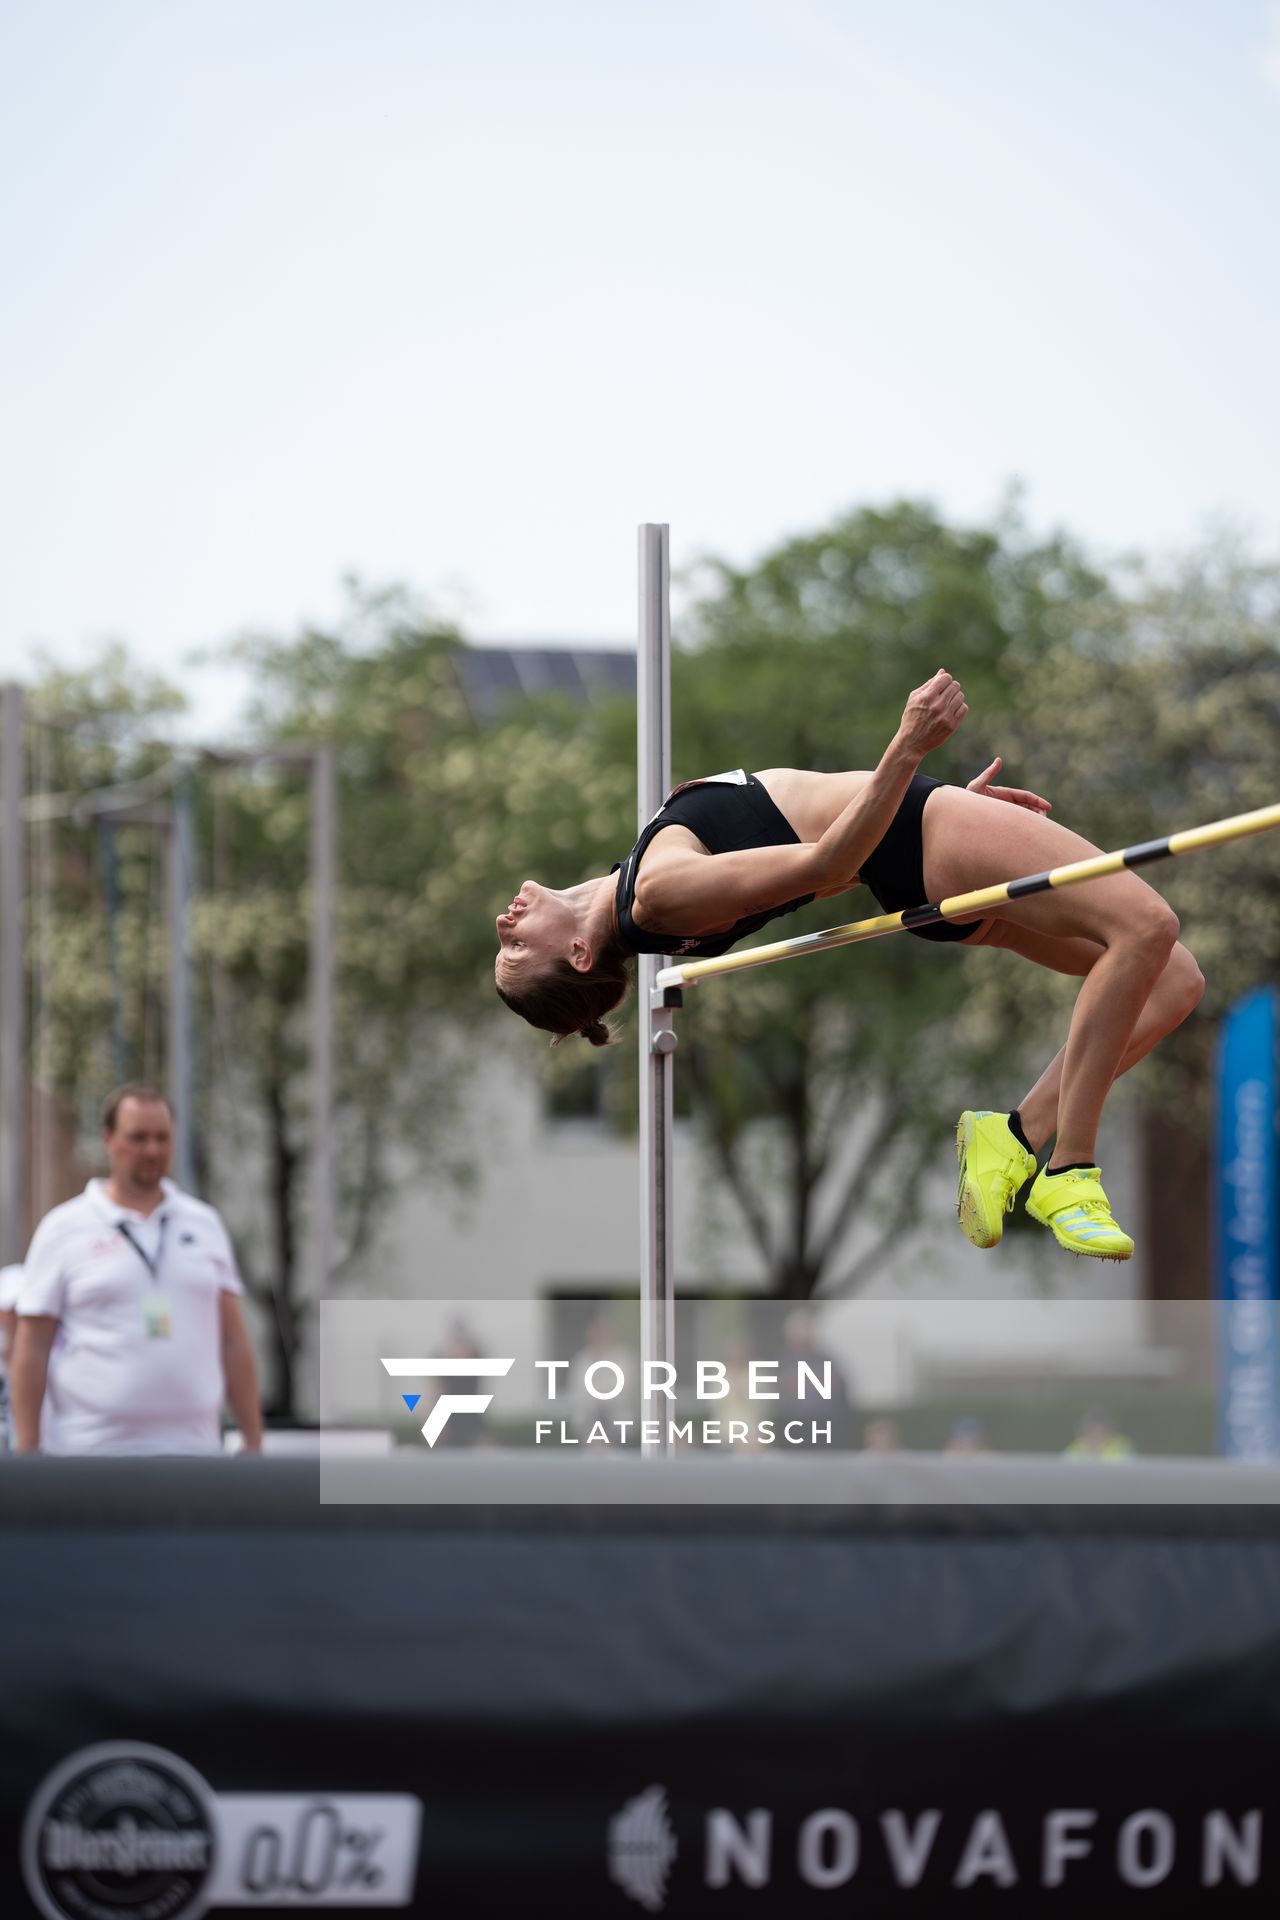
(181,852)
(13,997)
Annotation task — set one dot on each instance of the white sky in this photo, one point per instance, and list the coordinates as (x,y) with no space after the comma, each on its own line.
(456,292)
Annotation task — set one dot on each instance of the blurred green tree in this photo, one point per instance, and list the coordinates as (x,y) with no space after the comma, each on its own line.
(381,690)
(96,983)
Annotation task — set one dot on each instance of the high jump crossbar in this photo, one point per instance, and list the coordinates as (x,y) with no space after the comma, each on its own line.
(1237,827)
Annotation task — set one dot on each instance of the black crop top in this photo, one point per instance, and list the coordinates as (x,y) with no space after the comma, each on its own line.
(728,812)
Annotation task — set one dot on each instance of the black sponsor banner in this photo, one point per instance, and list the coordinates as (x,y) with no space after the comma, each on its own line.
(218,1692)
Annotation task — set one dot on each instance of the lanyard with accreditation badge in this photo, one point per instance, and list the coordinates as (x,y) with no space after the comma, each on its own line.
(157,1318)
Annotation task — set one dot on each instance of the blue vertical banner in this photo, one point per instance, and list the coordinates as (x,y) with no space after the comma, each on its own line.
(1247,1239)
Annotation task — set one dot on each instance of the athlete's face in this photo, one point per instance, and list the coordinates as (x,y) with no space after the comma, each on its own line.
(535,928)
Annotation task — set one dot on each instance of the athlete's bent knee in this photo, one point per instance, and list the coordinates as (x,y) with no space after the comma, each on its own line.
(1155,931)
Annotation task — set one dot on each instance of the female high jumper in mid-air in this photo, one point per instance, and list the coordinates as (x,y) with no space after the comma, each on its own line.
(726,854)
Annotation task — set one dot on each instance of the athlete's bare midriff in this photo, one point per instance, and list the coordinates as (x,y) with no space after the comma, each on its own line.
(810,802)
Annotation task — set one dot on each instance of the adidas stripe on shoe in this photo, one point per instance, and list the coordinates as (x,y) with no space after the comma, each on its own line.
(1077,1212)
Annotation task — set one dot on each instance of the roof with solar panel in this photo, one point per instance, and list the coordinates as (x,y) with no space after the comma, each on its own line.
(493,677)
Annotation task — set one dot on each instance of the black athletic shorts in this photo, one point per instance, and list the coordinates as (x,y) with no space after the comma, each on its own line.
(895,871)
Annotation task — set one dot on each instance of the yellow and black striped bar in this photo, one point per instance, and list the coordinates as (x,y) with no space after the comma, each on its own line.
(961,905)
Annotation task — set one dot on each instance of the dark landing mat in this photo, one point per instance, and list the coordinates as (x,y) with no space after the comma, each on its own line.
(216,1692)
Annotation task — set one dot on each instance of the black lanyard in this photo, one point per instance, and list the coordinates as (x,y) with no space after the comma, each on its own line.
(152,1265)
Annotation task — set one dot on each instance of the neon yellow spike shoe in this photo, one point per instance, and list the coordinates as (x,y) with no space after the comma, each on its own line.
(1074,1206)
(994,1164)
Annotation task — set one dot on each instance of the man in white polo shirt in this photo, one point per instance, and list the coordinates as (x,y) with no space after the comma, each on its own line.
(130,1333)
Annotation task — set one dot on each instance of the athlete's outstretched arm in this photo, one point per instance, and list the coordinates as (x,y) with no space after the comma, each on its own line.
(700,893)
(693,893)
(931,715)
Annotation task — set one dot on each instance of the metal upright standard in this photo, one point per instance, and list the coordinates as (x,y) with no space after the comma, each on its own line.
(657,1033)
(12,979)
(320,1016)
